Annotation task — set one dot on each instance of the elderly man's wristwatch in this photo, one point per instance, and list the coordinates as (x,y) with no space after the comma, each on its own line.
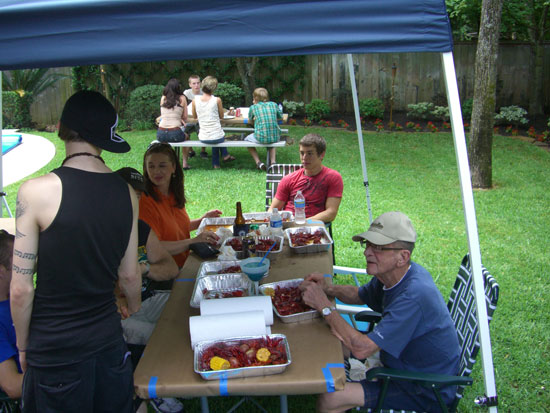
(328,311)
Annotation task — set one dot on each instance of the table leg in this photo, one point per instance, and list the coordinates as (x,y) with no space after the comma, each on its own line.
(284,403)
(204,404)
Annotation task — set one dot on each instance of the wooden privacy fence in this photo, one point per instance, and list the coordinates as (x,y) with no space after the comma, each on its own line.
(418,78)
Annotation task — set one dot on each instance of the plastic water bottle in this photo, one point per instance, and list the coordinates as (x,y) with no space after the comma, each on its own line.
(276,221)
(281,107)
(299,208)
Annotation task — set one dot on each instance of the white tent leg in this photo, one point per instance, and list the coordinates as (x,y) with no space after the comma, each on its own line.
(1,154)
(471,224)
(359,131)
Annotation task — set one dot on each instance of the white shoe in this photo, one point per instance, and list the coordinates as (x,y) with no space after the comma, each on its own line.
(167,405)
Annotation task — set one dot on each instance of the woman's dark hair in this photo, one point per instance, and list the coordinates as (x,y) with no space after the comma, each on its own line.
(6,248)
(176,182)
(172,92)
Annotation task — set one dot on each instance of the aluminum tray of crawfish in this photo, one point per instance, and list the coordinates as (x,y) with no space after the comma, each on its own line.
(247,356)
(263,243)
(308,239)
(219,267)
(287,301)
(220,286)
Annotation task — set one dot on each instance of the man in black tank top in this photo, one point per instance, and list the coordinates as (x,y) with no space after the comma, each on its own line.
(77,228)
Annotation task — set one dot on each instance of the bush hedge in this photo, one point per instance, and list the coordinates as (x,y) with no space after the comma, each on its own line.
(16,110)
(143,107)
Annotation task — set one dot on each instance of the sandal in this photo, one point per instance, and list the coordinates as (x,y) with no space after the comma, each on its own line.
(261,166)
(229,158)
(185,168)
(216,167)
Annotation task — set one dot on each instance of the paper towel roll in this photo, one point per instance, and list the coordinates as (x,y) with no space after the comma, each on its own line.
(218,326)
(239,304)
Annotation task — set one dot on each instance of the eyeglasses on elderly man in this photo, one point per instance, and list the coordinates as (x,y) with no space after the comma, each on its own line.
(377,248)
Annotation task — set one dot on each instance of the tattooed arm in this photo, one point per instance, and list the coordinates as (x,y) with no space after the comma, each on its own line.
(29,207)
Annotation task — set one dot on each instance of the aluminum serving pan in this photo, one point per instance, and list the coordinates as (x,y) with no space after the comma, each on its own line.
(263,217)
(276,249)
(214,267)
(239,254)
(292,318)
(240,372)
(326,240)
(212,224)
(215,286)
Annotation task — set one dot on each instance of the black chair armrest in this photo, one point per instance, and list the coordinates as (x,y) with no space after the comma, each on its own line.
(424,379)
(368,316)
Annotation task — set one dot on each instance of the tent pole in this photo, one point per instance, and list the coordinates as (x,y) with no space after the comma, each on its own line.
(471,224)
(2,153)
(359,131)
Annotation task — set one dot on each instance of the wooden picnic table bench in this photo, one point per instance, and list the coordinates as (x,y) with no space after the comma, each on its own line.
(229,144)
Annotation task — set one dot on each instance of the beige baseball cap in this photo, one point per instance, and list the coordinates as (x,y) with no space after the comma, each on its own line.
(387,228)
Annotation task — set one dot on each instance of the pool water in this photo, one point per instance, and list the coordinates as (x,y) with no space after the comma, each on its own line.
(10,141)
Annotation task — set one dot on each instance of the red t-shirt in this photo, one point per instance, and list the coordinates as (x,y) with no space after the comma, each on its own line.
(168,222)
(316,189)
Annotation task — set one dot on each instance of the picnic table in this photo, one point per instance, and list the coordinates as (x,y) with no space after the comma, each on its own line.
(238,125)
(166,368)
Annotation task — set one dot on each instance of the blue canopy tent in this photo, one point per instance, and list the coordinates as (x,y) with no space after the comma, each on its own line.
(53,33)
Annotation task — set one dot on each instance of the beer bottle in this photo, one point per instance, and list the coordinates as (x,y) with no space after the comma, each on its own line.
(240,228)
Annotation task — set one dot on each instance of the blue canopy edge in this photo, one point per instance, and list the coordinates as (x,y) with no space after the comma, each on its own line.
(53,33)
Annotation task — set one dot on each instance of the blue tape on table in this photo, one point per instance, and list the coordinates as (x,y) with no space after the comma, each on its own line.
(152,388)
(185,280)
(327,275)
(328,375)
(314,221)
(245,121)
(223,385)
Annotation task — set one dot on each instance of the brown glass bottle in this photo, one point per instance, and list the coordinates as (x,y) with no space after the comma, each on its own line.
(240,227)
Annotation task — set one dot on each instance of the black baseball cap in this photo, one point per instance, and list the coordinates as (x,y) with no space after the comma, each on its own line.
(94,118)
(133,177)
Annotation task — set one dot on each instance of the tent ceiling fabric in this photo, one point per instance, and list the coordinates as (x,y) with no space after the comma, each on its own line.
(54,33)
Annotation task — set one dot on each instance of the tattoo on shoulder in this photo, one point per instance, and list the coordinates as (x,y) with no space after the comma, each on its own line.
(24,255)
(20,208)
(19,234)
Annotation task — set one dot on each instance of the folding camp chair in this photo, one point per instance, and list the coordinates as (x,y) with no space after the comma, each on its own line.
(274,174)
(462,308)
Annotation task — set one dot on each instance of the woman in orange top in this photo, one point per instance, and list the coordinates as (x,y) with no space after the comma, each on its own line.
(163,207)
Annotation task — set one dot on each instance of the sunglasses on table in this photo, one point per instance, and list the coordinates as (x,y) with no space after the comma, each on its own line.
(365,244)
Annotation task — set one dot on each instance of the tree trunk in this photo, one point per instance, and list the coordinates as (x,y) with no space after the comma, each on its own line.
(247,68)
(536,37)
(481,135)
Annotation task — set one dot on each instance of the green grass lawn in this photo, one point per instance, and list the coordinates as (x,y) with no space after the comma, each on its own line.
(417,174)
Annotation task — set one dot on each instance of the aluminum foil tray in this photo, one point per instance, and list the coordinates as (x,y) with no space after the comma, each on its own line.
(241,372)
(326,240)
(217,222)
(293,318)
(214,267)
(263,217)
(276,249)
(219,284)
(238,254)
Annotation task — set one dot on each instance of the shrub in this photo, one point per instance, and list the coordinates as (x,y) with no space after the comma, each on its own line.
(294,108)
(143,107)
(467,107)
(441,112)
(549,122)
(421,110)
(511,114)
(317,109)
(16,110)
(371,108)
(230,94)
